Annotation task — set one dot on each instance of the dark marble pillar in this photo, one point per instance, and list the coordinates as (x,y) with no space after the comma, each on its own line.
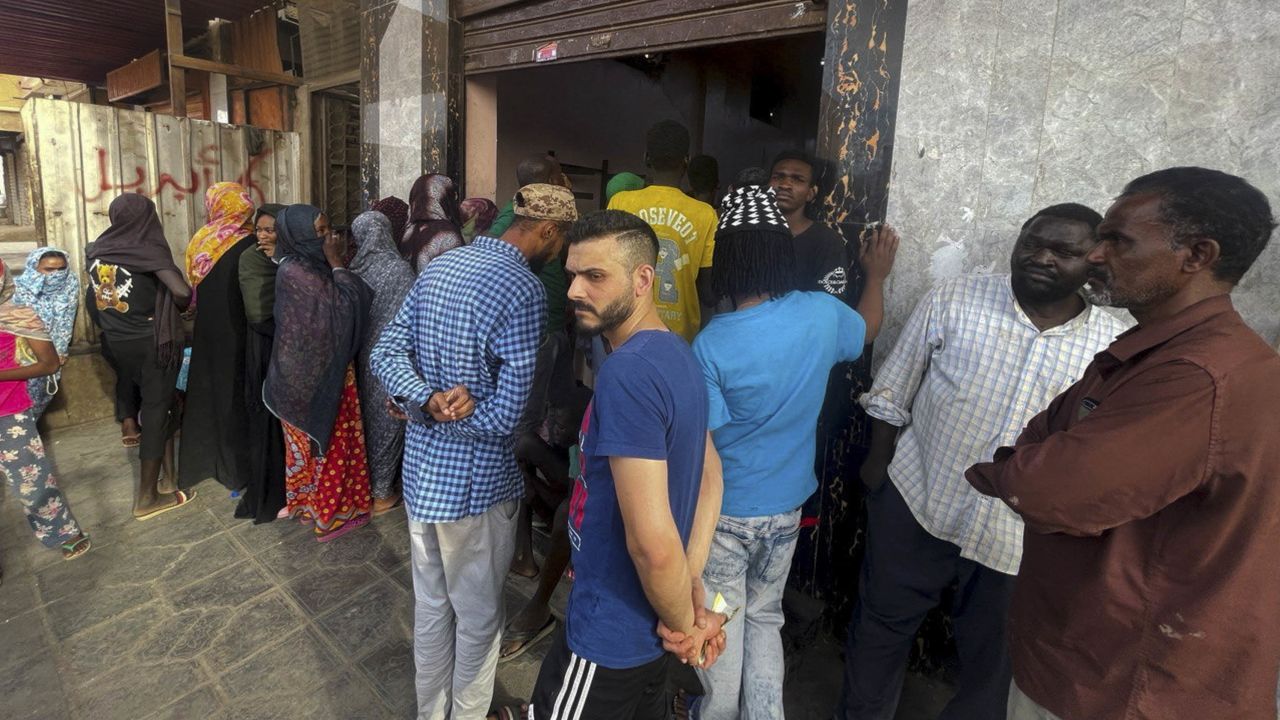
(855,141)
(410,94)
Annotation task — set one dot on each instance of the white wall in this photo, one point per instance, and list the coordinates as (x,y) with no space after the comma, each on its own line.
(1007,107)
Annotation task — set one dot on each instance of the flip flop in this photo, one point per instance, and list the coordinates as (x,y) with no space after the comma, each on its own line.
(526,638)
(184,497)
(509,712)
(346,528)
(131,441)
(76,548)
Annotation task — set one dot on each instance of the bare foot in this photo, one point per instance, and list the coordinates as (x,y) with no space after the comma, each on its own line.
(524,566)
(130,433)
(166,485)
(163,500)
(531,618)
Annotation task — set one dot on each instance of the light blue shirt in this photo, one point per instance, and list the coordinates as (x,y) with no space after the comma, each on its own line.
(766,369)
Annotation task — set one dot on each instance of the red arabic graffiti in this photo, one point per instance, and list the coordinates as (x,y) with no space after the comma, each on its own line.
(204,172)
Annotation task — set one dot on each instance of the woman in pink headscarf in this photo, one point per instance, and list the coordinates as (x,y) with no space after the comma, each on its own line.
(434,226)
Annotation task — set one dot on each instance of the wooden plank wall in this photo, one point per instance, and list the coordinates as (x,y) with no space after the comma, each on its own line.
(83,156)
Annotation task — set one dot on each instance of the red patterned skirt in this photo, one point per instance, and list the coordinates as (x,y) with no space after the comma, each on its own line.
(330,492)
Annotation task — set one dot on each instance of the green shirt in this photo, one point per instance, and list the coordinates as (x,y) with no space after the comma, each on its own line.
(557,286)
(506,216)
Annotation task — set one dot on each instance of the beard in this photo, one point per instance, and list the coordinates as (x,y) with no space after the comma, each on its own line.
(613,315)
(1102,290)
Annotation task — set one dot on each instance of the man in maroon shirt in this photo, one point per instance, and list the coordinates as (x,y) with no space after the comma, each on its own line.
(1150,489)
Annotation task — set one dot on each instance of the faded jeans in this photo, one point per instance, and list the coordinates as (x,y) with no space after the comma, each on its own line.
(459,569)
(749,562)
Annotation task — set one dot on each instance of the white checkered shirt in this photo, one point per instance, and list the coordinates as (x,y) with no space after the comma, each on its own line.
(474,317)
(968,372)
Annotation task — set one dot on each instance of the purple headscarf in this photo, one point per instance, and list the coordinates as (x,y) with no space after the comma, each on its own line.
(434,226)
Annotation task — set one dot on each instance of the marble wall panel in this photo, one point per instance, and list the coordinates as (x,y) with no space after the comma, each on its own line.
(1078,97)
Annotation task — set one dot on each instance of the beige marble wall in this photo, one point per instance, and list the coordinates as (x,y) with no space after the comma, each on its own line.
(1007,106)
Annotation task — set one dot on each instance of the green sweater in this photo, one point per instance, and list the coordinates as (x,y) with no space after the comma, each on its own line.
(552,275)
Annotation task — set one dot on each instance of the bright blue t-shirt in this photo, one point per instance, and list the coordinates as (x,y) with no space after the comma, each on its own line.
(650,402)
(766,370)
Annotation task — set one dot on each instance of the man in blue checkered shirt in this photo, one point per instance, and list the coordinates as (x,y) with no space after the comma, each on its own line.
(458,359)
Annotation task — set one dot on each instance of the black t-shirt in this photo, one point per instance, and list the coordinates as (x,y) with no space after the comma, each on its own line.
(822,262)
(123,301)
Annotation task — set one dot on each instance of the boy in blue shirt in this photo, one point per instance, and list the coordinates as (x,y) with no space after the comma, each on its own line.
(766,365)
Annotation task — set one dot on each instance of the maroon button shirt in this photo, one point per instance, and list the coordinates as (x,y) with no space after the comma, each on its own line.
(1150,578)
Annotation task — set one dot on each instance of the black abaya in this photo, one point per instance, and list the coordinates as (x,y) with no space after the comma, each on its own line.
(215,418)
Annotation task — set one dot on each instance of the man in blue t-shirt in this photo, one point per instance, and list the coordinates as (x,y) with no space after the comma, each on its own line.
(645,503)
(766,365)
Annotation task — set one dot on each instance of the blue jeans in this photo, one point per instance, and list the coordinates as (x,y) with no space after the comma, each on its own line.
(748,565)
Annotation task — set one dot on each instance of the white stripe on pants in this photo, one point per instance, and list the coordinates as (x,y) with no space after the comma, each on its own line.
(458,573)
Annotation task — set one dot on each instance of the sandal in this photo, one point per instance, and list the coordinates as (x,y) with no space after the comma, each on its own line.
(76,547)
(131,441)
(184,497)
(525,638)
(346,528)
(379,508)
(509,712)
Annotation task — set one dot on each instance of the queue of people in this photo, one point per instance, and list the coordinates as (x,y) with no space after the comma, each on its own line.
(647,380)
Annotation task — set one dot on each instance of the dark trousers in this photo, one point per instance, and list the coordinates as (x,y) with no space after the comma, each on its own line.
(903,576)
(134,361)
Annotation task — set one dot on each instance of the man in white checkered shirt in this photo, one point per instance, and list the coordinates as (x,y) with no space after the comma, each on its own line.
(979,357)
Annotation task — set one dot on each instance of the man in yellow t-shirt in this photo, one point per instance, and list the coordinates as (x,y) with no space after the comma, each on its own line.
(685,227)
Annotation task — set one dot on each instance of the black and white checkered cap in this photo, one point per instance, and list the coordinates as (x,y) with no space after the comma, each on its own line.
(750,207)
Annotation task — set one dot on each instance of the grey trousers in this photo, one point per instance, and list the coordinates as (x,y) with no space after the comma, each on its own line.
(1022,707)
(458,573)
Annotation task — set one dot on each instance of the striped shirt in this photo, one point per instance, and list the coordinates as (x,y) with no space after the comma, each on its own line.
(474,317)
(968,373)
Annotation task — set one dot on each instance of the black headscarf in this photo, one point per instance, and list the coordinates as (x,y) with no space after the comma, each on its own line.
(434,226)
(135,240)
(271,209)
(320,316)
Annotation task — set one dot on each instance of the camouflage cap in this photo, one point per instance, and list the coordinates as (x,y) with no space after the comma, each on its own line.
(541,201)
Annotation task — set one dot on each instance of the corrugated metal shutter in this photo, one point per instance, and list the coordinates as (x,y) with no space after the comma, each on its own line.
(330,36)
(500,35)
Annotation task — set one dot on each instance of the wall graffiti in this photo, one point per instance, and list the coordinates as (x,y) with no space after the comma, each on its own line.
(204,172)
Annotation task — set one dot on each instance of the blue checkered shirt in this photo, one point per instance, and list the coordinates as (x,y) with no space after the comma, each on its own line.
(967,374)
(473,318)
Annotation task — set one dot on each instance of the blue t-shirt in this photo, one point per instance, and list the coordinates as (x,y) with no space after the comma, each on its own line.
(766,369)
(650,402)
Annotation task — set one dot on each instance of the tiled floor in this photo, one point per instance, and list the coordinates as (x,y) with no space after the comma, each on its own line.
(197,615)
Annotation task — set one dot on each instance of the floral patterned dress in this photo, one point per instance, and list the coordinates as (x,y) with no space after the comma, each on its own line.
(23,461)
(331,492)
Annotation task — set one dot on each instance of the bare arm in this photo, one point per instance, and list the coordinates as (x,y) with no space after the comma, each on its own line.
(46,362)
(710,496)
(875,469)
(653,539)
(177,285)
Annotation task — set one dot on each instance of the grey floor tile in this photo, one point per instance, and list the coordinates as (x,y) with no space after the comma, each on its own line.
(80,611)
(22,638)
(345,696)
(291,556)
(402,574)
(324,588)
(134,691)
(97,651)
(192,563)
(33,691)
(197,704)
(252,626)
(229,587)
(390,669)
(298,662)
(379,613)
(17,593)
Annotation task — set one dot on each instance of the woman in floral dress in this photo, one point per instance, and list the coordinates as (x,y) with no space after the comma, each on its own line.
(26,351)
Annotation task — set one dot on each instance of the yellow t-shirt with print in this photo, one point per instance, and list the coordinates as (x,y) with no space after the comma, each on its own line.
(686,230)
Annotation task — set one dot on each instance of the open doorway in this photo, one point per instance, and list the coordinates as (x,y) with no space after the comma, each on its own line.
(742,102)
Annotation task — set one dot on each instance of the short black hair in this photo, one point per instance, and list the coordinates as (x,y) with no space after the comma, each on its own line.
(633,234)
(800,156)
(52,253)
(1074,212)
(752,176)
(704,174)
(1196,202)
(667,145)
(535,169)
